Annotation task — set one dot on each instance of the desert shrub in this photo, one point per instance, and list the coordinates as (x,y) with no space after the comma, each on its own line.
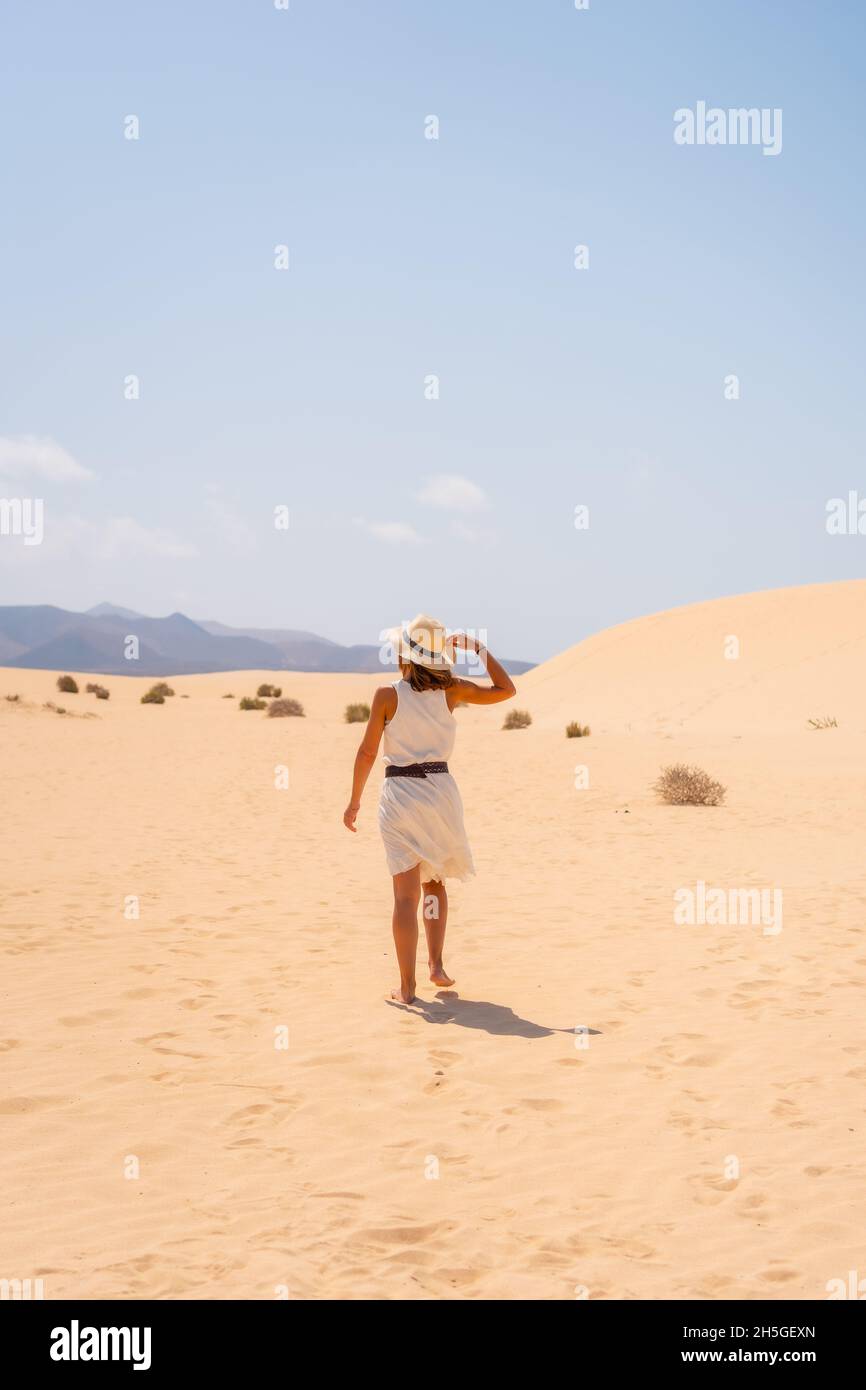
(248,703)
(98,690)
(577,730)
(13,699)
(827,722)
(157,694)
(282,709)
(517,719)
(58,709)
(269,691)
(357,714)
(67,684)
(230,696)
(682,785)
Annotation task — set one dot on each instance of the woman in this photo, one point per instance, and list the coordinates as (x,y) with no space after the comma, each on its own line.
(420,812)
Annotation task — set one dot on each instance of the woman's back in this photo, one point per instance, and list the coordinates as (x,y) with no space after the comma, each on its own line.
(422,730)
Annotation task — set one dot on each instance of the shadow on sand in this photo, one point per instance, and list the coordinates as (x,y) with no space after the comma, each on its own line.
(495,1019)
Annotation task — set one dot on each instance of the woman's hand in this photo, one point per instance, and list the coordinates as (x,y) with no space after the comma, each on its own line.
(349,815)
(464,641)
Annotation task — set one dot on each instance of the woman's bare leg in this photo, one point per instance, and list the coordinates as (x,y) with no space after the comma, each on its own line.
(407,891)
(435,910)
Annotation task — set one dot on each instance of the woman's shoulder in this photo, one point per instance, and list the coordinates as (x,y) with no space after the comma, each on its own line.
(385,698)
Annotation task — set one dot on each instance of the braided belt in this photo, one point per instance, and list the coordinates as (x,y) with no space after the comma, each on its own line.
(414,769)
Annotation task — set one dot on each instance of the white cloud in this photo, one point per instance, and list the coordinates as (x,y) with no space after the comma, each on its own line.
(116,541)
(394,532)
(454,493)
(43,458)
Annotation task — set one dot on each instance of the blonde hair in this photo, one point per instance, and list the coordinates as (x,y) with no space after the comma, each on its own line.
(424,677)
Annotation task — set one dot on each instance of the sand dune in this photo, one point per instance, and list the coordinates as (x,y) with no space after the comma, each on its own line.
(593,1164)
(798,652)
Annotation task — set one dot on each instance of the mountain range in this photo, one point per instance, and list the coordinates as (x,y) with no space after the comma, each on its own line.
(42,637)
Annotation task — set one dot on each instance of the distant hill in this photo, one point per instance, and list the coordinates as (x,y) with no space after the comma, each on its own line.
(42,637)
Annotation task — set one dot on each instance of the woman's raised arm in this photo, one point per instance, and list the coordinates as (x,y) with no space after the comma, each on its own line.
(467,692)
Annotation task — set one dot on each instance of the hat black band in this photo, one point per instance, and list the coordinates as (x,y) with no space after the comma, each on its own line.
(424,651)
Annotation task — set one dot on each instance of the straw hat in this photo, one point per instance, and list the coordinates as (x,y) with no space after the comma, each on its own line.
(424,641)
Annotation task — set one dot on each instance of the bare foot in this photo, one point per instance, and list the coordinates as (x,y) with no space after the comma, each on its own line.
(404,996)
(439,976)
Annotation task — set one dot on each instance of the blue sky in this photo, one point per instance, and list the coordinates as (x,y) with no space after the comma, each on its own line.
(411,257)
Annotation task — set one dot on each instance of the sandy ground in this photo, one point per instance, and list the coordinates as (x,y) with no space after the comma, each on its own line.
(704,1140)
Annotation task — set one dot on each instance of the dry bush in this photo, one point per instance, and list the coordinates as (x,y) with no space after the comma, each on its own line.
(682,785)
(827,722)
(282,709)
(517,719)
(230,696)
(67,713)
(577,730)
(269,691)
(153,697)
(67,684)
(357,714)
(13,699)
(249,703)
(162,689)
(98,690)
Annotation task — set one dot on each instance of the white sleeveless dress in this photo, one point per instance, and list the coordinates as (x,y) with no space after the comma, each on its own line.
(421,818)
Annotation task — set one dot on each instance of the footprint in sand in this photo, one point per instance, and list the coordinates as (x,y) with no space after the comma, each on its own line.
(682,1050)
(81,1020)
(29,1105)
(789,1111)
(262,1113)
(404,1235)
(779,1276)
(533,1103)
(156,1043)
(333,1059)
(709,1189)
(753,1205)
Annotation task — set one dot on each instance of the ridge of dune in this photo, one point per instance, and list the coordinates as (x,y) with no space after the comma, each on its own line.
(760,661)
